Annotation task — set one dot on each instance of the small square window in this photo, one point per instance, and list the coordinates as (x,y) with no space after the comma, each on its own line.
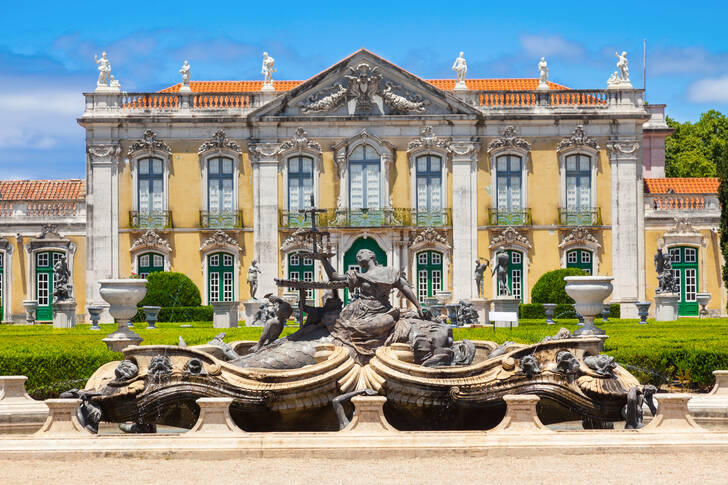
(143,167)
(516,258)
(57,257)
(158,260)
(435,164)
(307,261)
(144,260)
(214,260)
(157,164)
(691,255)
(42,260)
(585,257)
(227,260)
(295,260)
(436,258)
(422,164)
(227,166)
(571,257)
(584,164)
(2,260)
(675,255)
(214,166)
(294,276)
(422,258)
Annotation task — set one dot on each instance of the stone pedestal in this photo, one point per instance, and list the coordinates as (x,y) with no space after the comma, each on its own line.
(482,308)
(672,415)
(666,307)
(214,417)
(251,309)
(369,416)
(225,314)
(64,314)
(30,307)
(122,338)
(18,411)
(711,406)
(521,416)
(62,419)
(506,303)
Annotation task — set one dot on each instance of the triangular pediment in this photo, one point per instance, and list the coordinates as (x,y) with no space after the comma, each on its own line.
(364,84)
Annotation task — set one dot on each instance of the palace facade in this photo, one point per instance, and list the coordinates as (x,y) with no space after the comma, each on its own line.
(206,180)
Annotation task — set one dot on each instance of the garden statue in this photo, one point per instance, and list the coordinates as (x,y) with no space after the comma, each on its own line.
(543,72)
(267,70)
(253,272)
(274,326)
(460,66)
(104,70)
(466,313)
(264,313)
(623,66)
(666,282)
(501,268)
(185,71)
(479,270)
(61,276)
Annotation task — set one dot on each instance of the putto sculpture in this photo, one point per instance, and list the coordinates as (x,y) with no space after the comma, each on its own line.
(460,66)
(185,71)
(267,70)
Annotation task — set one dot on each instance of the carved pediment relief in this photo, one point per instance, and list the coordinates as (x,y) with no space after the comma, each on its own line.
(579,236)
(577,139)
(429,238)
(219,141)
(149,142)
(682,232)
(364,85)
(509,139)
(221,240)
(152,241)
(509,237)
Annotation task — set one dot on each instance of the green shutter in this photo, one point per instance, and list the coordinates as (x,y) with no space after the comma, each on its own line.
(220,277)
(685,266)
(428,277)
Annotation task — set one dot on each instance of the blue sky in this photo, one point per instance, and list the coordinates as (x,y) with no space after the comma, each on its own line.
(47,49)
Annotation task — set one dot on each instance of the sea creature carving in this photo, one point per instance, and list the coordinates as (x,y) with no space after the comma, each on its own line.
(400,103)
(326,103)
(602,364)
(529,366)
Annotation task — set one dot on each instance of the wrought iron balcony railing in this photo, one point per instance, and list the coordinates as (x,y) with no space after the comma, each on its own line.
(232,219)
(503,217)
(150,219)
(591,216)
(394,217)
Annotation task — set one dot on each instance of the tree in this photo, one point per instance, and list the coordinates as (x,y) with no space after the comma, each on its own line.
(723,198)
(695,150)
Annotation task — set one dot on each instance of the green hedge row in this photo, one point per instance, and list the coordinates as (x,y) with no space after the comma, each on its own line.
(179,314)
(536,311)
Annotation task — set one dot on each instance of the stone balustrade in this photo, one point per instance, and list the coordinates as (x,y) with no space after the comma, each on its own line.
(33,211)
(681,203)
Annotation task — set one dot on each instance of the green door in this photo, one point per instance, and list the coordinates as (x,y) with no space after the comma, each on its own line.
(300,268)
(149,263)
(580,258)
(220,267)
(685,268)
(429,274)
(44,284)
(350,257)
(515,273)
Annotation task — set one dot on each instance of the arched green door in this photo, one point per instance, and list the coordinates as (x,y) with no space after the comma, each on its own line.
(44,262)
(515,273)
(685,268)
(149,263)
(580,258)
(429,274)
(300,268)
(220,267)
(350,257)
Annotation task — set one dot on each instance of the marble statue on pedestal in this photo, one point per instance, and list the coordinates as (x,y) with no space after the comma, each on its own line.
(623,66)
(267,70)
(543,74)
(62,287)
(104,70)
(460,66)
(253,272)
(479,270)
(185,71)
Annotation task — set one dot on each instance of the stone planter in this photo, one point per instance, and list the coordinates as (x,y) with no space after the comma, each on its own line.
(549,309)
(122,296)
(94,313)
(703,300)
(443,297)
(225,314)
(589,293)
(30,307)
(643,310)
(666,307)
(151,313)
(505,304)
(605,314)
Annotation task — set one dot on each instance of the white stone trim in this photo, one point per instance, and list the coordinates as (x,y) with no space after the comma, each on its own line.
(150,242)
(430,242)
(525,167)
(6,252)
(580,238)
(429,144)
(219,146)
(134,170)
(69,251)
(594,165)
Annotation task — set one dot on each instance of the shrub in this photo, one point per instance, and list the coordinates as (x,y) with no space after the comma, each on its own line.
(168,289)
(180,314)
(536,311)
(550,286)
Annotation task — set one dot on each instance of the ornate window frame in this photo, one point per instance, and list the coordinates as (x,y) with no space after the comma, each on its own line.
(509,143)
(580,238)
(300,145)
(218,145)
(149,146)
(150,241)
(430,240)
(6,253)
(387,155)
(578,143)
(428,143)
(221,241)
(509,238)
(48,240)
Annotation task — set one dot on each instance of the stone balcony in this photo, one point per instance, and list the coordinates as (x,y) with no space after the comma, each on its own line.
(232,219)
(591,216)
(387,217)
(698,207)
(514,217)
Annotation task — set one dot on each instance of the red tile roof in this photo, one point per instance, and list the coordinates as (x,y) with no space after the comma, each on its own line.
(445,84)
(708,185)
(73,189)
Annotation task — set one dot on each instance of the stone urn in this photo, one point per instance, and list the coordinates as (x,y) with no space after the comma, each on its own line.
(151,314)
(589,293)
(30,307)
(703,300)
(122,295)
(605,314)
(643,310)
(94,312)
(443,297)
(549,309)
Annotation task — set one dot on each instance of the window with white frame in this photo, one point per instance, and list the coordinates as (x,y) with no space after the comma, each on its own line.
(429,183)
(220,185)
(150,185)
(300,182)
(509,183)
(364,178)
(578,183)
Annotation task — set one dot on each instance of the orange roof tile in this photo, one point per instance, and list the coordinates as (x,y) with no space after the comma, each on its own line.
(708,185)
(523,84)
(73,189)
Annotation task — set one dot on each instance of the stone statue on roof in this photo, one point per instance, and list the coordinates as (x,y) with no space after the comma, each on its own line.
(543,74)
(267,70)
(460,66)
(104,70)
(623,66)
(185,71)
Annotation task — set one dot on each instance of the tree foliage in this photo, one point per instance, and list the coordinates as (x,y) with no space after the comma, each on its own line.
(723,198)
(550,287)
(169,289)
(695,149)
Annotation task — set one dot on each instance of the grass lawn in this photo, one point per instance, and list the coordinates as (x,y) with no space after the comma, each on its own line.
(686,351)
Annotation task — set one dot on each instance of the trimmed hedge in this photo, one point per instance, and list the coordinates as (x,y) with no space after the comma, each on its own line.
(536,311)
(550,286)
(169,289)
(179,314)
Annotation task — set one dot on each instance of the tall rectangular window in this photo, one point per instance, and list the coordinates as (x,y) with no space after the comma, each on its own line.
(429,183)
(220,185)
(364,190)
(508,183)
(150,185)
(578,183)
(300,182)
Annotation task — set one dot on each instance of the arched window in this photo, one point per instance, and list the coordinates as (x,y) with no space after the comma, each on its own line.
(515,273)
(364,169)
(429,190)
(220,281)
(148,263)
(300,182)
(685,268)
(429,274)
(580,258)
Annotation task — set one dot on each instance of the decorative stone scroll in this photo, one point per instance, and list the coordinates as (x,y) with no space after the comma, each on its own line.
(428,140)
(509,238)
(149,142)
(625,147)
(49,231)
(579,236)
(300,141)
(103,151)
(429,237)
(219,142)
(509,139)
(151,240)
(294,241)
(683,232)
(221,240)
(577,139)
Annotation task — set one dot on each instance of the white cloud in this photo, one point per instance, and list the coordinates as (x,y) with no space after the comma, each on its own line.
(709,90)
(551,46)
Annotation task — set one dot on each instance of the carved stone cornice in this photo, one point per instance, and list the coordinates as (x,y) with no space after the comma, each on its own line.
(218,141)
(625,147)
(49,231)
(429,237)
(149,142)
(510,237)
(220,240)
(151,240)
(103,151)
(683,232)
(509,139)
(261,152)
(428,140)
(300,141)
(579,236)
(577,139)
(463,150)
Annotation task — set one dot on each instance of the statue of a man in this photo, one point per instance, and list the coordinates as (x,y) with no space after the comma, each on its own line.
(61,280)
(479,270)
(185,71)
(543,71)
(268,69)
(460,66)
(104,69)
(253,272)
(659,260)
(623,66)
(501,267)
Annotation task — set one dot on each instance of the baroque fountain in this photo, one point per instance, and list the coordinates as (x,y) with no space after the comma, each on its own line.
(295,383)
